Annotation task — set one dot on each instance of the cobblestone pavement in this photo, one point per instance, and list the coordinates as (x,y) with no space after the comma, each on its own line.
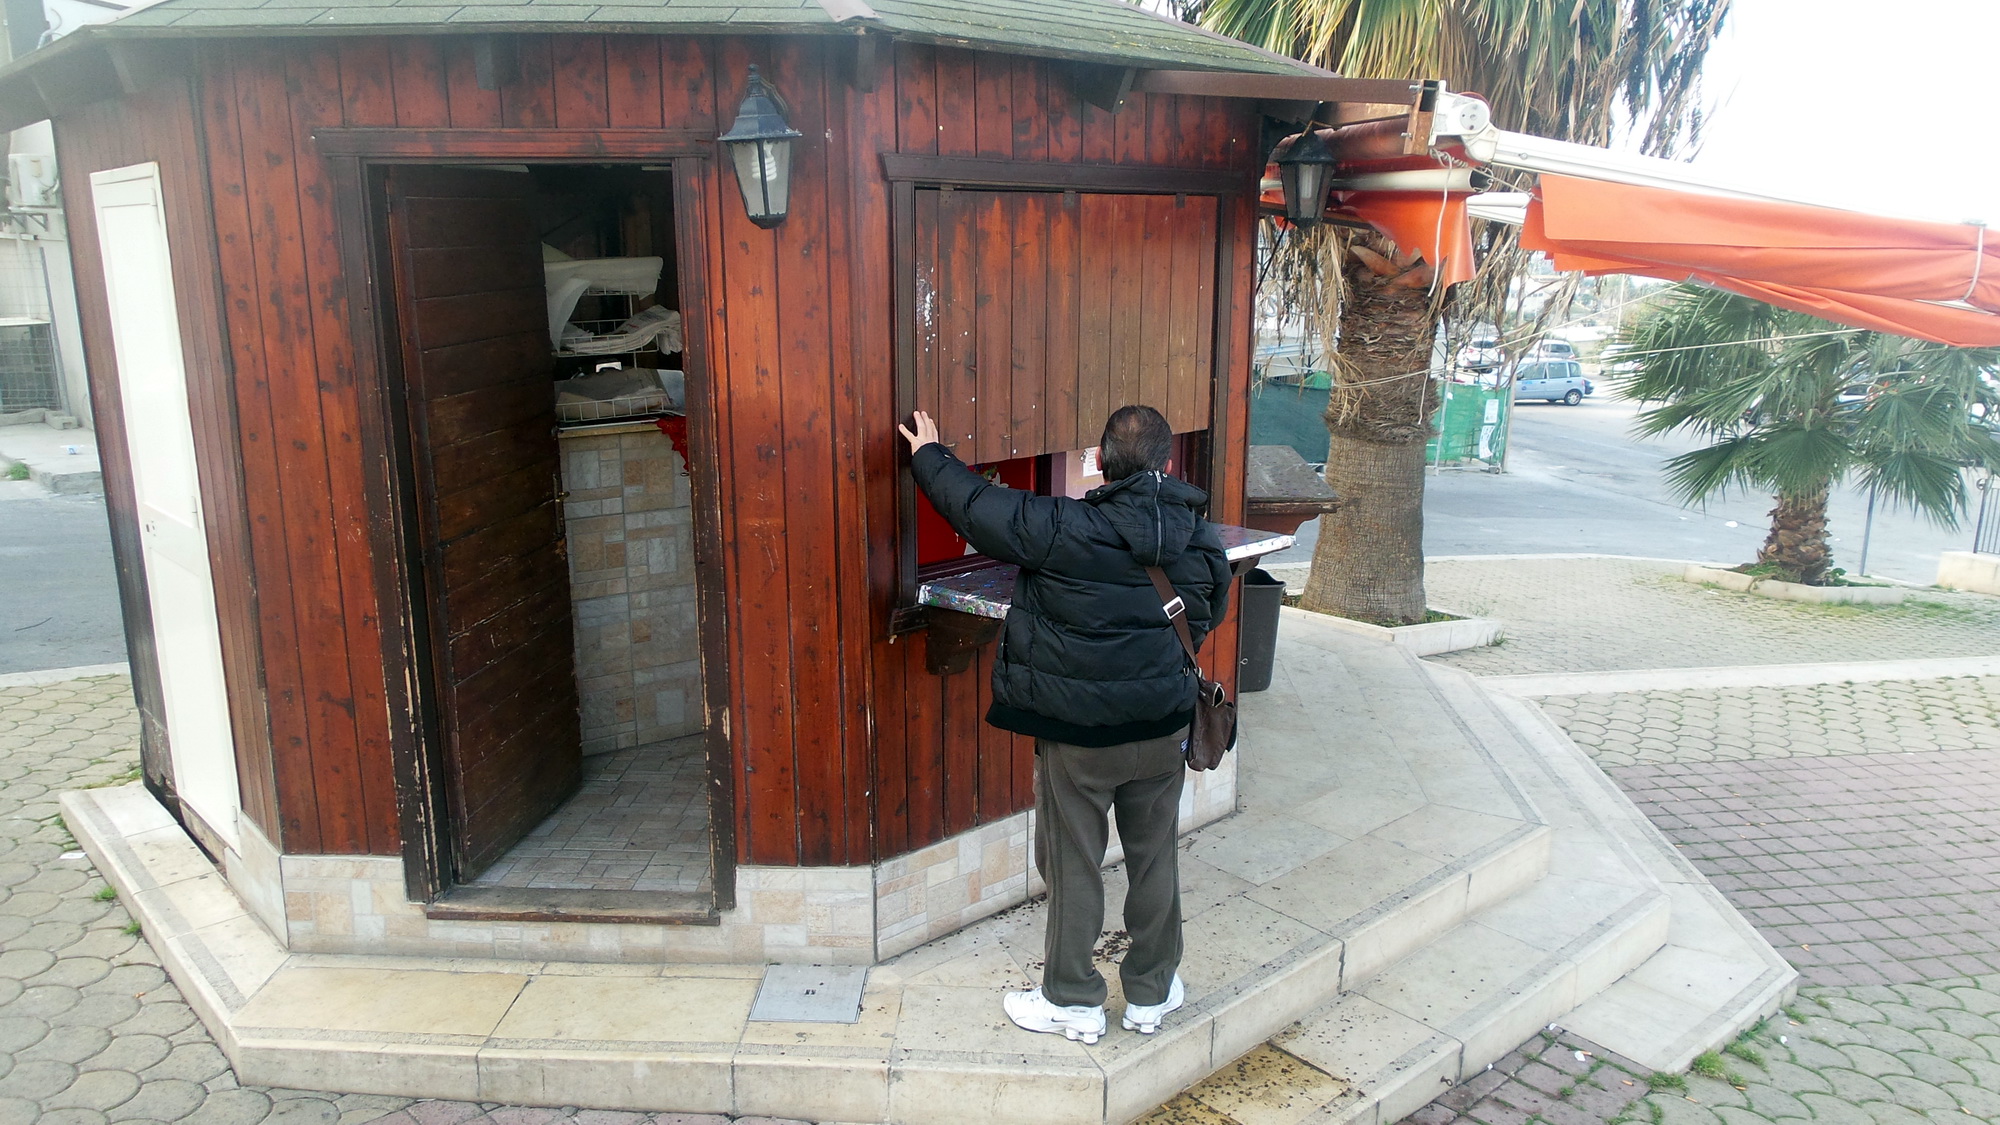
(1897,716)
(1597,615)
(91,1029)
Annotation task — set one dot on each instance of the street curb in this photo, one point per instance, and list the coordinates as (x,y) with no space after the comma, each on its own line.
(1535,685)
(62,675)
(1555,556)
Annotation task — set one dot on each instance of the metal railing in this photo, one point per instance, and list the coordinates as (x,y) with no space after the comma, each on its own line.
(1986,517)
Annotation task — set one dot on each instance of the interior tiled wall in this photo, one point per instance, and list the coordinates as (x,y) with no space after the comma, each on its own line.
(629,519)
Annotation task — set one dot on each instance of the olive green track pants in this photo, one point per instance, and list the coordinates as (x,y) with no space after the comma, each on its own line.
(1076,788)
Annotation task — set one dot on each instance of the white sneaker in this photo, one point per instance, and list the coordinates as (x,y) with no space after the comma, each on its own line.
(1031,1011)
(1145,1018)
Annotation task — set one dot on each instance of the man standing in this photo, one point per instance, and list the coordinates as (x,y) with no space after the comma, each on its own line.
(1090,667)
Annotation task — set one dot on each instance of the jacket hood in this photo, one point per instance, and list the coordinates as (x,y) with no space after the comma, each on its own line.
(1156,514)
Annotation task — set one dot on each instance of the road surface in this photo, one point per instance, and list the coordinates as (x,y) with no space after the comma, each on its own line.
(1578,481)
(59,598)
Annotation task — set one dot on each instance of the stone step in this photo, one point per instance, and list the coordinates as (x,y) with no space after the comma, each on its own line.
(930,1041)
(67,482)
(1622,942)
(44,445)
(1397,1041)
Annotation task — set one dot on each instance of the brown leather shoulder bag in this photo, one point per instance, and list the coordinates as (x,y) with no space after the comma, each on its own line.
(1213,732)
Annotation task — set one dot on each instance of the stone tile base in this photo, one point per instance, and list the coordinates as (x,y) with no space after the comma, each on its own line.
(356,904)
(1390,885)
(836,915)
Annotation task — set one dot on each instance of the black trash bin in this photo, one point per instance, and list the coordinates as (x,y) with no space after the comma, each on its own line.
(1257,630)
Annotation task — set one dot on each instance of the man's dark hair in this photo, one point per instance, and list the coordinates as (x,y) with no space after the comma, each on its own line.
(1136,438)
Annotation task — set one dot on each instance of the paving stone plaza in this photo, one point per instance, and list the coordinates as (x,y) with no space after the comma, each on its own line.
(1598,614)
(1857,825)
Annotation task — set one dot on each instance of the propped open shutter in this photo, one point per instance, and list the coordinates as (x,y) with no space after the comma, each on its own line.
(1038,313)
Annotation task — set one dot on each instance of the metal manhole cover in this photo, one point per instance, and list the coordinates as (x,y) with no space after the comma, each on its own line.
(810,994)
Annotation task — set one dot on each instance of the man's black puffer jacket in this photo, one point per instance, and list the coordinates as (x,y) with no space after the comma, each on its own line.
(1087,655)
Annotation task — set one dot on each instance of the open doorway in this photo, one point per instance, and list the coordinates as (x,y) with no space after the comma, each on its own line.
(552,486)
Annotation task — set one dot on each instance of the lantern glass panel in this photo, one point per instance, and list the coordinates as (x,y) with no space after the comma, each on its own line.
(764,172)
(1305,186)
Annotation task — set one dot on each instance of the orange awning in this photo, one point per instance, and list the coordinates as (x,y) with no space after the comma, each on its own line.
(1431,223)
(1933,281)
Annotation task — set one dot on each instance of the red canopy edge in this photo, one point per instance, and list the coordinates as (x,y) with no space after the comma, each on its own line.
(1929,280)
(1932,281)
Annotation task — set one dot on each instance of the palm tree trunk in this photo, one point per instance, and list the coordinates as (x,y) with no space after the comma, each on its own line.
(1797,546)
(1369,562)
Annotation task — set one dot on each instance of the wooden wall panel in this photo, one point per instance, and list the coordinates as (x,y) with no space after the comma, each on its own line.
(810,516)
(422,81)
(632,81)
(1028,295)
(325,310)
(750,374)
(846,748)
(282,260)
(581,82)
(864,126)
(163,125)
(470,106)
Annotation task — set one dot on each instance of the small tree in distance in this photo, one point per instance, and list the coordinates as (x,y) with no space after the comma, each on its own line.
(1793,405)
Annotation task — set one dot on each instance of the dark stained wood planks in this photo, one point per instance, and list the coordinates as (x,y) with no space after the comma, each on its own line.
(507,713)
(1040,312)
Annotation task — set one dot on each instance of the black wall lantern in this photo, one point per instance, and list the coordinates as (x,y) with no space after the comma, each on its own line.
(761,145)
(1305,169)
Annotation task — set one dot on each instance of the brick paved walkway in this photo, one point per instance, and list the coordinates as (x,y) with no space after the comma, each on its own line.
(1861,869)
(1598,615)
(91,1029)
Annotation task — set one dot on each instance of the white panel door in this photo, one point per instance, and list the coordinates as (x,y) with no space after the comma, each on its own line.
(152,380)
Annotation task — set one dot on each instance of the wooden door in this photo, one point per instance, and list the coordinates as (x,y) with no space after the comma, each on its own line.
(471,314)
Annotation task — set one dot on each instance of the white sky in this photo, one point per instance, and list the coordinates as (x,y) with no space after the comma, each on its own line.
(1885,105)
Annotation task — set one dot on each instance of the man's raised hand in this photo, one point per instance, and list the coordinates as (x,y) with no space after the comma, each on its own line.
(925,433)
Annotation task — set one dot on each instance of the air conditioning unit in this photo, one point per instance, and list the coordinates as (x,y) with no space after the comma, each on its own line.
(32,179)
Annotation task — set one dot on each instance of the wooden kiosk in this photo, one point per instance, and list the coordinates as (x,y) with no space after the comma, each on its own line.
(443,648)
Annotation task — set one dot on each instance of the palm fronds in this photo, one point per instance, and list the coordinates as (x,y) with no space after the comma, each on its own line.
(1792,404)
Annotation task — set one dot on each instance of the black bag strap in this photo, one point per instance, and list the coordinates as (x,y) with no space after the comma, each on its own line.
(1170,600)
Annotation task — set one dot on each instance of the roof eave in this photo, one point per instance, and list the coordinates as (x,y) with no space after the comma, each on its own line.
(87,63)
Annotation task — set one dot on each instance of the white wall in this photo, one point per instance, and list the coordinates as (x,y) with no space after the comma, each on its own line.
(39,241)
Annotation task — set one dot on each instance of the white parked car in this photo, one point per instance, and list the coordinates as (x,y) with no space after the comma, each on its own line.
(1481,354)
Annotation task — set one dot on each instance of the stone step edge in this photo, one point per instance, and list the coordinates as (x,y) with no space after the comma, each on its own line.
(79,482)
(1535,743)
(1759,998)
(219,954)
(1437,1056)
